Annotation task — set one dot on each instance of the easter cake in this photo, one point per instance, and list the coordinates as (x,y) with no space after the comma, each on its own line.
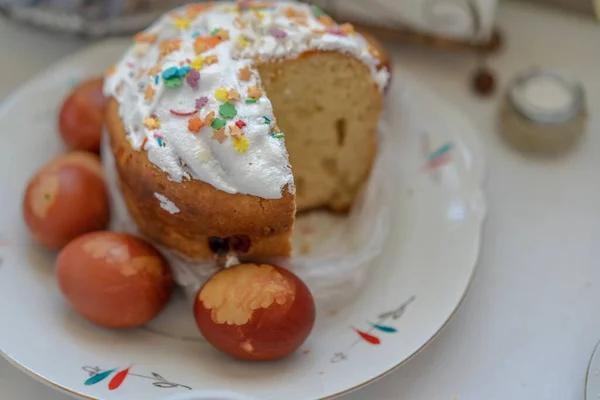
(225,119)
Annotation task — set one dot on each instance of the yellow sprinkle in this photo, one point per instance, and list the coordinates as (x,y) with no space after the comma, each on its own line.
(221,94)
(241,144)
(243,42)
(182,23)
(260,15)
(197,63)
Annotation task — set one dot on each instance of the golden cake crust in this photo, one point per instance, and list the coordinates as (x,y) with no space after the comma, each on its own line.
(205,212)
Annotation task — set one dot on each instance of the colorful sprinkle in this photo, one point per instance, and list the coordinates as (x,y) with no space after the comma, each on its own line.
(219,135)
(200,47)
(145,37)
(183,71)
(348,29)
(184,113)
(195,35)
(240,124)
(327,21)
(195,124)
(235,131)
(197,63)
(173,82)
(209,60)
(170,73)
(317,12)
(159,139)
(227,110)
(182,23)
(156,80)
(151,123)
(210,117)
(241,144)
(149,93)
(276,135)
(210,41)
(201,102)
(267,120)
(278,33)
(242,42)
(193,78)
(245,74)
(336,31)
(218,123)
(155,70)
(291,12)
(254,92)
(221,94)
(214,31)
(233,95)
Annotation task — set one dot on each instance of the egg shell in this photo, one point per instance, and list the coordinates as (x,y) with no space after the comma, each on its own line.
(113,279)
(255,312)
(81,117)
(65,199)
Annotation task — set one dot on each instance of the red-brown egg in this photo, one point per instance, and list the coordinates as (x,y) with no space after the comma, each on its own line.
(113,279)
(82,116)
(66,199)
(255,312)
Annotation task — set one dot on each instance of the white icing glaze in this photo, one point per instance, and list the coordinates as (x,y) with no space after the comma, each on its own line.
(167,204)
(263,170)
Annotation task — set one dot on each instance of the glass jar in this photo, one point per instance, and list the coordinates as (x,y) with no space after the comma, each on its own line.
(543,112)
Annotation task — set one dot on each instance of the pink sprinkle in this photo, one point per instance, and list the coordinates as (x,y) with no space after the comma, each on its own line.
(201,102)
(193,78)
(278,33)
(130,64)
(336,31)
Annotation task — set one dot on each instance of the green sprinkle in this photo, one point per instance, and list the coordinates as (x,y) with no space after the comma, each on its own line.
(218,123)
(214,31)
(267,120)
(317,12)
(173,82)
(277,136)
(250,101)
(227,110)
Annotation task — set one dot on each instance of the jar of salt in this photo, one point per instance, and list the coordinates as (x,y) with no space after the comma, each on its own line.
(543,112)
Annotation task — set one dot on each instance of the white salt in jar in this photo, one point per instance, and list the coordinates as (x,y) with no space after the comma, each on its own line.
(543,112)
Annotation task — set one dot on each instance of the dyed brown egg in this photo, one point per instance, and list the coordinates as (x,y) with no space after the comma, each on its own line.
(113,279)
(82,116)
(255,312)
(66,199)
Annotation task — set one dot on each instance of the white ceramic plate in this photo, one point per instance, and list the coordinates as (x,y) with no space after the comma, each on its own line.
(421,278)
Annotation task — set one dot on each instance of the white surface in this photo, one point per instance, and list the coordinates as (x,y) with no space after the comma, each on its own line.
(530,321)
(412,288)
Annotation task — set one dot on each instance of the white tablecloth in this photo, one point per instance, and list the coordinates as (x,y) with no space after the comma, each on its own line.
(531,319)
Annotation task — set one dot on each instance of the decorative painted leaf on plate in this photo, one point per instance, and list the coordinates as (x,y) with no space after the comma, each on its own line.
(98,377)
